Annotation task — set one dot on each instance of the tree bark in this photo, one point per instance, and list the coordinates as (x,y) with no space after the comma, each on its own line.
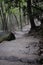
(29,11)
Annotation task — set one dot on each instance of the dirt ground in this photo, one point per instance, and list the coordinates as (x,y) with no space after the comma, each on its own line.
(22,51)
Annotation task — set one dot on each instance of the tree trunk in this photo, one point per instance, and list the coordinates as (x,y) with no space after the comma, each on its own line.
(29,11)
(20,15)
(3,16)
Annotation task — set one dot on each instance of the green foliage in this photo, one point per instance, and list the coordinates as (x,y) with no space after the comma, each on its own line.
(15,10)
(1,1)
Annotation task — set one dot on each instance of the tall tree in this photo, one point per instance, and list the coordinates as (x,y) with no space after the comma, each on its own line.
(29,10)
(3,16)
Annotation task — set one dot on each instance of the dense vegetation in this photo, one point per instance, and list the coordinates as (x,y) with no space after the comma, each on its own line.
(22,11)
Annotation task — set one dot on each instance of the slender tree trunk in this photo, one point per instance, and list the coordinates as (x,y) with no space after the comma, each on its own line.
(24,18)
(16,21)
(30,14)
(3,16)
(20,15)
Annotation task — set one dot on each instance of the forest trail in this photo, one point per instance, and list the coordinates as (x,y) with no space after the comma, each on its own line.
(22,51)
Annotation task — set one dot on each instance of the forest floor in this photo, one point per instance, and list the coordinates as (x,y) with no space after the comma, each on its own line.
(22,51)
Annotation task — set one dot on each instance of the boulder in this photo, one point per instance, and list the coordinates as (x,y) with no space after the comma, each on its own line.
(6,36)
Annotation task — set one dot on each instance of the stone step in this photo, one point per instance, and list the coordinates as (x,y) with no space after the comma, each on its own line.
(42,54)
(41,46)
(41,42)
(41,50)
